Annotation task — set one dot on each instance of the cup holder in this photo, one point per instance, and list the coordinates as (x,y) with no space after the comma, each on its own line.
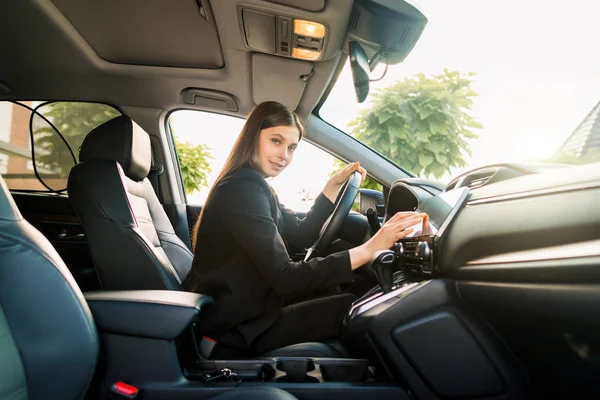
(295,371)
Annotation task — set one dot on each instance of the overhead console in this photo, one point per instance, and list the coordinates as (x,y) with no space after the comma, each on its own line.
(282,34)
(387,30)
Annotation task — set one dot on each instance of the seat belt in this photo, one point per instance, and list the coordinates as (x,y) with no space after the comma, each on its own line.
(180,229)
(156,170)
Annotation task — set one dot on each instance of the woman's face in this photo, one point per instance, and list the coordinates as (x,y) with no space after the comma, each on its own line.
(276,148)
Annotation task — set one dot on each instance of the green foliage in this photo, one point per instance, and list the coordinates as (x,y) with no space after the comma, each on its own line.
(422,123)
(195,165)
(368,182)
(306,196)
(74,121)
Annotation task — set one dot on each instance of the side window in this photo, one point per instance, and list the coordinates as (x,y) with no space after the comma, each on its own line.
(304,179)
(57,129)
(204,141)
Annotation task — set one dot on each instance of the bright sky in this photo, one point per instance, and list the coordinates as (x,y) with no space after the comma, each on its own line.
(538,76)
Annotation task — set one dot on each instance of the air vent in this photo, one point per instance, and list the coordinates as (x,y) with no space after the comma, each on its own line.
(354,18)
(472,180)
(478,179)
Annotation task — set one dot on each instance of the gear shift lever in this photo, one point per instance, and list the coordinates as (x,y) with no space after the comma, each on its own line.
(382,263)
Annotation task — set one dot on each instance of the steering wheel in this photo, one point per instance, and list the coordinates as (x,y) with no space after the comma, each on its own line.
(333,225)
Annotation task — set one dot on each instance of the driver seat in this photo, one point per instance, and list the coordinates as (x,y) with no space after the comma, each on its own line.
(132,242)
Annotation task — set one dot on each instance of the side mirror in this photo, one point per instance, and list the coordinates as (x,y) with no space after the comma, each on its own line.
(359,64)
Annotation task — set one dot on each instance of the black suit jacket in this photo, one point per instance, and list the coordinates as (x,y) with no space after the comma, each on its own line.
(242,261)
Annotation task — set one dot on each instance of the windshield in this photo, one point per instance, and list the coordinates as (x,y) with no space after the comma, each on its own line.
(488,82)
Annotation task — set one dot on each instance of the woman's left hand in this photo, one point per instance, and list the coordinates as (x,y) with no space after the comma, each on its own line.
(336,181)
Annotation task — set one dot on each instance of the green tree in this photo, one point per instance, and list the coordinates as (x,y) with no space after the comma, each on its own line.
(421,122)
(368,182)
(74,120)
(306,196)
(195,165)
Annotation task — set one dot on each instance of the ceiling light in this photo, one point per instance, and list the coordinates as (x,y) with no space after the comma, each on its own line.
(309,28)
(305,54)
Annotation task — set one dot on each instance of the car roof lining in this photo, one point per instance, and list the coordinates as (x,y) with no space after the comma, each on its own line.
(54,60)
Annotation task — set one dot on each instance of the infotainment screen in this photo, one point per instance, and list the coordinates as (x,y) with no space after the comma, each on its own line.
(441,209)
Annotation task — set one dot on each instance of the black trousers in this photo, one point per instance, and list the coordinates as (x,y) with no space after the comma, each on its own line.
(308,321)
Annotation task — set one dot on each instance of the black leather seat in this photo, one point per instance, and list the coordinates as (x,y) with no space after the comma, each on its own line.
(48,339)
(131,239)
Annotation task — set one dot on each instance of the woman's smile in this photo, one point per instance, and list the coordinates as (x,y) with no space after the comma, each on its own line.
(277,166)
(276,148)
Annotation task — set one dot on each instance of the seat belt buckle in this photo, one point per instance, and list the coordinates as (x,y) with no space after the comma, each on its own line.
(223,374)
(121,390)
(207,346)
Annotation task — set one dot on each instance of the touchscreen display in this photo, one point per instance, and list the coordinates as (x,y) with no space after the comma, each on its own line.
(441,209)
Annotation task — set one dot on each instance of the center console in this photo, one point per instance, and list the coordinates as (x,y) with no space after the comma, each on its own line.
(148,341)
(427,338)
(415,325)
(412,261)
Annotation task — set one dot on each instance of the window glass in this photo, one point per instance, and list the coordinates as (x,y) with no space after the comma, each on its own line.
(58,130)
(204,141)
(487,82)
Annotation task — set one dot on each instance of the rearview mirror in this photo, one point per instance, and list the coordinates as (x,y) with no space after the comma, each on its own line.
(359,63)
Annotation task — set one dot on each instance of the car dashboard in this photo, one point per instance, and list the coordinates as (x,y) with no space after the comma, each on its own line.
(517,225)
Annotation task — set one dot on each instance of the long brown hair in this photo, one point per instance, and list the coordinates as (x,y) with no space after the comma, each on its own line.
(245,150)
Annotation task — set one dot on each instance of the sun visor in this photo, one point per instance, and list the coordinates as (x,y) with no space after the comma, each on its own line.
(148,32)
(279,79)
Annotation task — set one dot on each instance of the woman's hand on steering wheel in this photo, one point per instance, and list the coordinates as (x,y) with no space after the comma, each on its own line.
(342,197)
(337,181)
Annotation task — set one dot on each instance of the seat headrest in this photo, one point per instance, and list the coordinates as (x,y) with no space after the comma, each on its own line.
(8,208)
(123,141)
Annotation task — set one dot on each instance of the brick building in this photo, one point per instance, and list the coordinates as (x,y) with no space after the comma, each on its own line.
(15,148)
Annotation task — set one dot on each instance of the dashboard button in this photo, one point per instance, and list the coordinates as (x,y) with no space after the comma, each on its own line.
(399,249)
(423,251)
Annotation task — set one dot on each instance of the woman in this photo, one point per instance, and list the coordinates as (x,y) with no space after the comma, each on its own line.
(241,238)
